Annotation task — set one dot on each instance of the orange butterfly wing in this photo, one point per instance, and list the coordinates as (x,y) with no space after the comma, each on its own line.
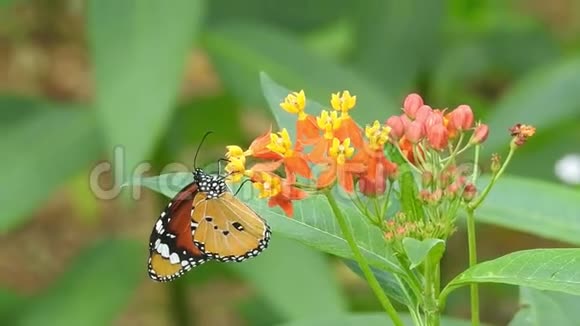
(171,249)
(226,229)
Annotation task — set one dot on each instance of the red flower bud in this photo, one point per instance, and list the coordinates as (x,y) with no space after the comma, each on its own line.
(469,192)
(415,132)
(462,117)
(406,120)
(397,127)
(480,134)
(423,113)
(411,104)
(438,137)
(435,118)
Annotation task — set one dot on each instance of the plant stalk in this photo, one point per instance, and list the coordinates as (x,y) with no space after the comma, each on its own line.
(474,290)
(371,279)
(178,298)
(431,292)
(487,189)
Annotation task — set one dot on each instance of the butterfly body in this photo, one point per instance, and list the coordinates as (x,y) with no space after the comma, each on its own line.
(203,222)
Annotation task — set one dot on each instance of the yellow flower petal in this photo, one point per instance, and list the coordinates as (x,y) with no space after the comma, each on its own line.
(328,122)
(268,186)
(294,103)
(377,135)
(343,102)
(280,143)
(234,151)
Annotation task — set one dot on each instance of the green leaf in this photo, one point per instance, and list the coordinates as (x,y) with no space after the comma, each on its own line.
(537,207)
(409,193)
(367,319)
(139,50)
(397,40)
(94,290)
(473,58)
(388,282)
(312,223)
(38,153)
(544,99)
(241,51)
(546,308)
(542,269)
(293,18)
(311,271)
(407,185)
(418,251)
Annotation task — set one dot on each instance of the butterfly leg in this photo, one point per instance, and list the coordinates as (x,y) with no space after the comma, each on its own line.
(220,165)
(240,187)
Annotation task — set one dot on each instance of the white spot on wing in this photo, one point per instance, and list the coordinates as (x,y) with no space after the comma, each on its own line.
(163,249)
(174,258)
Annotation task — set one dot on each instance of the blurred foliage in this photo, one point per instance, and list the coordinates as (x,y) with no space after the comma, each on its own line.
(513,61)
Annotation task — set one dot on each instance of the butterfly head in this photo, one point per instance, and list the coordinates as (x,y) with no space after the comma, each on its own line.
(212,185)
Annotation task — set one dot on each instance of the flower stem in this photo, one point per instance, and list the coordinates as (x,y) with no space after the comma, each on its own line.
(372,280)
(475,165)
(474,291)
(431,292)
(487,189)
(407,160)
(178,297)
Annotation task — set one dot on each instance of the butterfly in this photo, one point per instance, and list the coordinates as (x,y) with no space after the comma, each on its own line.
(203,222)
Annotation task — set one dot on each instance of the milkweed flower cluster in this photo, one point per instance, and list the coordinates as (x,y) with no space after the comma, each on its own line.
(348,154)
(360,161)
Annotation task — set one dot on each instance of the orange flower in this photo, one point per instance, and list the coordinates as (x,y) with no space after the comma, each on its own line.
(328,123)
(259,147)
(306,130)
(372,181)
(279,191)
(340,167)
(236,168)
(348,127)
(407,149)
(294,160)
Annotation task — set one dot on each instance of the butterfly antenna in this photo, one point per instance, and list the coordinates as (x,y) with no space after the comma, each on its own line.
(199,147)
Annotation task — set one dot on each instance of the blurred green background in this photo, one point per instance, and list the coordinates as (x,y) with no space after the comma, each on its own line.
(79,77)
